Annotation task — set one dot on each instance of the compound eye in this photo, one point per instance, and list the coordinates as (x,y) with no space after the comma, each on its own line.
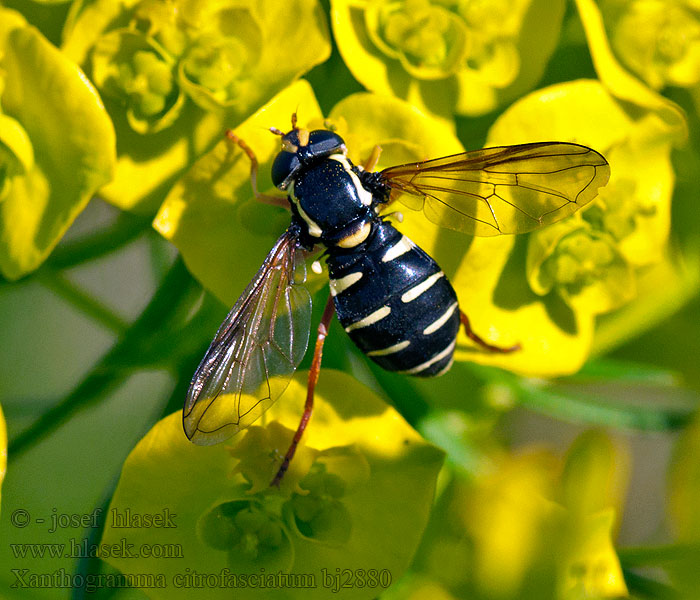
(284,168)
(301,147)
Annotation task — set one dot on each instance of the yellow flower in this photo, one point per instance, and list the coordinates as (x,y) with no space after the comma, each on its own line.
(659,40)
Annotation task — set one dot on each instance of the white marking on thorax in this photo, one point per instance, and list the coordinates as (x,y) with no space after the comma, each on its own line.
(435,325)
(338,286)
(399,248)
(356,238)
(421,287)
(364,195)
(390,350)
(314,229)
(370,319)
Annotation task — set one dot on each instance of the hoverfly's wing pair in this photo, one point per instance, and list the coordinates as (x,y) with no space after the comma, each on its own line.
(510,189)
(255,351)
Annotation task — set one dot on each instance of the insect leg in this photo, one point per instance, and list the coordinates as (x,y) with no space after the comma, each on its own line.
(373,159)
(313,379)
(464,319)
(266,198)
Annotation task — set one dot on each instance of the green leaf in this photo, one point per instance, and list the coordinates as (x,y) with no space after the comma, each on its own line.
(581,111)
(661,291)
(590,567)
(656,40)
(85,24)
(72,142)
(618,81)
(358,498)
(595,474)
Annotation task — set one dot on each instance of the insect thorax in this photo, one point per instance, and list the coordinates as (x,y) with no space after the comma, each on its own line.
(331,205)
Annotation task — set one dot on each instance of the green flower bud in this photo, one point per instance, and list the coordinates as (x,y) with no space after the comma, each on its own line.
(306,507)
(579,261)
(658,40)
(243,529)
(217,528)
(429,40)
(249,521)
(215,63)
(159,20)
(219,66)
(270,534)
(583,265)
(494,27)
(618,210)
(136,71)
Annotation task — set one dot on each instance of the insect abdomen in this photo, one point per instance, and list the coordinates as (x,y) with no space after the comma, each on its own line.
(395,303)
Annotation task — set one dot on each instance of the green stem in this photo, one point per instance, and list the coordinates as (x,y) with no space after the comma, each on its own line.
(69,254)
(645,587)
(585,409)
(84,302)
(595,408)
(126,228)
(107,374)
(656,555)
(89,564)
(98,383)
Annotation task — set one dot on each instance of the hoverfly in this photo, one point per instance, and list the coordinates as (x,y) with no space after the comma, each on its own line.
(393,300)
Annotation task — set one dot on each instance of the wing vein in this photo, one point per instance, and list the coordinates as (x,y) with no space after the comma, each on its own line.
(246,367)
(529,181)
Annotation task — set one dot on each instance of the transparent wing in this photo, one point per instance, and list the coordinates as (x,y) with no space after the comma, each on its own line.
(255,351)
(508,189)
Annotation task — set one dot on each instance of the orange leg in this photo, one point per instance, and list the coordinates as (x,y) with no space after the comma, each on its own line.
(311,386)
(373,159)
(266,198)
(481,342)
